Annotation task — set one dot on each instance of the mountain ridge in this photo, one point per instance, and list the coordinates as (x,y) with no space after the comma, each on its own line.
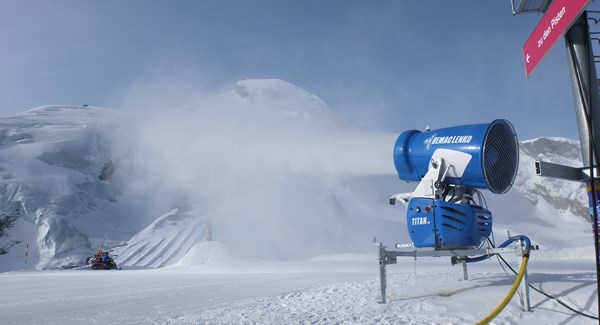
(305,188)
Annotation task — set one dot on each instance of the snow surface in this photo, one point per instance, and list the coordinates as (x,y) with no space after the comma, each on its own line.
(340,289)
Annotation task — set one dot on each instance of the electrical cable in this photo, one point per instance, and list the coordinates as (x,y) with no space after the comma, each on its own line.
(510,293)
(481,197)
(499,256)
(502,266)
(509,241)
(548,295)
(492,243)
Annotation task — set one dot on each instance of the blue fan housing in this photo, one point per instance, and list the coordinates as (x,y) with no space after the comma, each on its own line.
(494,149)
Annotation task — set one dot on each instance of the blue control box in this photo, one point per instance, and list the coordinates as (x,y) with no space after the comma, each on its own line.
(445,225)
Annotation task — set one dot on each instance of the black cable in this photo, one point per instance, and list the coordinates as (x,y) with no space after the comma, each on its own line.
(501,265)
(484,203)
(493,244)
(536,289)
(548,295)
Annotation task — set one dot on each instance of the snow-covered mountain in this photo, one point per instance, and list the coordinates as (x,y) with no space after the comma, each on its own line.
(562,196)
(50,162)
(266,164)
(552,212)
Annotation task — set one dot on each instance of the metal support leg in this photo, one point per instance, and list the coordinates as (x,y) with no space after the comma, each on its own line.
(524,291)
(382,271)
(385,258)
(383,280)
(457,256)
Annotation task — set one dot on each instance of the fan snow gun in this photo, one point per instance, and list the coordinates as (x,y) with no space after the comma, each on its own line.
(450,164)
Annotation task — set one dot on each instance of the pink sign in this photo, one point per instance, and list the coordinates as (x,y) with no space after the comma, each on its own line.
(556,21)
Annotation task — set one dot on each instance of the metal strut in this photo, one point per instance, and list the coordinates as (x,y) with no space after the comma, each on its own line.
(387,257)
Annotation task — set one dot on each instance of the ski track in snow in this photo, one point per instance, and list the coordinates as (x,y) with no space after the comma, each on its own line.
(163,242)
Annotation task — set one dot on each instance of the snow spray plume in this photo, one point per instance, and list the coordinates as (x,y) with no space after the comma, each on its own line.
(266,162)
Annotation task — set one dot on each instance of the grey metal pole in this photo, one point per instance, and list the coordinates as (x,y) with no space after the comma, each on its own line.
(587,101)
(26,253)
(583,80)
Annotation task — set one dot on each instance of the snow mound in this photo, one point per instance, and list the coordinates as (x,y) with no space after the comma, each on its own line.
(164,242)
(207,252)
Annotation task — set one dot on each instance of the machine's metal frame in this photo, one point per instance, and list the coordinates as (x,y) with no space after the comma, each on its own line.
(459,255)
(577,174)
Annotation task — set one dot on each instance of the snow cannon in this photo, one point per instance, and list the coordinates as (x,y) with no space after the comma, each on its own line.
(446,210)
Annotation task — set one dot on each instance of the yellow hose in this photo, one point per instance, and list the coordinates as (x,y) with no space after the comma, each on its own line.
(510,293)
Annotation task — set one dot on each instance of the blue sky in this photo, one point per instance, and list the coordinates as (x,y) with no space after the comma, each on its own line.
(389,64)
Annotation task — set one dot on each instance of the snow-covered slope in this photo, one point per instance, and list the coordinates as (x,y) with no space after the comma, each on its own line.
(165,241)
(269,165)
